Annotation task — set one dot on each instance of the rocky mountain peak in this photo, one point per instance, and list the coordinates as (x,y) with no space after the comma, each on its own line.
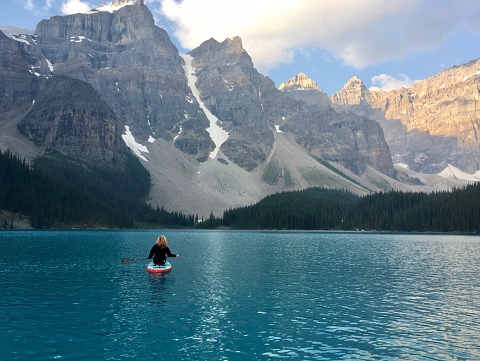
(301,87)
(301,80)
(121,22)
(354,82)
(353,92)
(226,53)
(235,45)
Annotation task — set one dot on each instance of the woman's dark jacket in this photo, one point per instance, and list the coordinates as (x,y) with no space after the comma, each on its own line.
(160,254)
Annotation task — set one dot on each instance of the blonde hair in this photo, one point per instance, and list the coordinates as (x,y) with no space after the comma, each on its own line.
(162,242)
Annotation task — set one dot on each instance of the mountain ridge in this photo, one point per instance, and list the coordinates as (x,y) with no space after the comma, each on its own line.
(440,111)
(451,129)
(277,139)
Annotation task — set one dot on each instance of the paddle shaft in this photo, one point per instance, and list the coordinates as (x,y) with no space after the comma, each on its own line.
(128,260)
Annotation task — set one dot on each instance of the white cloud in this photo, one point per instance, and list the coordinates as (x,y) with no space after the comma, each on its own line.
(387,82)
(28,4)
(75,6)
(359,33)
(48,4)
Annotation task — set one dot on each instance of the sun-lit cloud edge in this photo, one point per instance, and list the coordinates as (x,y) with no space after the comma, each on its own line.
(359,34)
(75,6)
(387,82)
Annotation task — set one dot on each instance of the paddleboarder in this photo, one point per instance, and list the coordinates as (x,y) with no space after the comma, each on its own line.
(160,251)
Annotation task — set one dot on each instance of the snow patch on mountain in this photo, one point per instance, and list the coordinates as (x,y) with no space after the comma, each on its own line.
(20,38)
(179,132)
(130,141)
(50,65)
(217,133)
(36,73)
(451,172)
(78,39)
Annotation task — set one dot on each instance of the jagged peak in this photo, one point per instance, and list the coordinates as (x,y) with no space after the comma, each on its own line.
(236,40)
(234,44)
(231,49)
(301,80)
(354,81)
(353,92)
(210,42)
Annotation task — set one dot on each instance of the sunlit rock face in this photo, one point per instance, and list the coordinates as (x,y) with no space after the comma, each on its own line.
(433,123)
(299,81)
(303,88)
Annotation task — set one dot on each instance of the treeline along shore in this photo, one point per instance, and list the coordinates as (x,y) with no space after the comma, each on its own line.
(54,192)
(324,209)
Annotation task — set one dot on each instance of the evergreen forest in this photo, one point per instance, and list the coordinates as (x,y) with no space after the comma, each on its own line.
(55,192)
(323,209)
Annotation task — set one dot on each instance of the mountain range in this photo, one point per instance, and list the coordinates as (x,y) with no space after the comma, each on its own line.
(212,131)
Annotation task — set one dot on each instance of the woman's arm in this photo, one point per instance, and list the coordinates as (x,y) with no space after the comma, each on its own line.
(170,254)
(152,252)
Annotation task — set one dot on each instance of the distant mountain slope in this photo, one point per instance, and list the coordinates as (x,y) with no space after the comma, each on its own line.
(433,123)
(16,33)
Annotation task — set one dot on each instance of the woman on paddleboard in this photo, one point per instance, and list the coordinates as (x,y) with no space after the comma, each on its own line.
(160,251)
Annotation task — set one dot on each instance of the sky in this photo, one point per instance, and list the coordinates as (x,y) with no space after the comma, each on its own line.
(386,43)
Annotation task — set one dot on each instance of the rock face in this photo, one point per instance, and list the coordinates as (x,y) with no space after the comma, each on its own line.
(231,88)
(347,139)
(250,107)
(429,125)
(353,93)
(69,117)
(135,68)
(17,83)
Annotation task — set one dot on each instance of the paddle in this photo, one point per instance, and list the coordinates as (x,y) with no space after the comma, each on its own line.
(128,260)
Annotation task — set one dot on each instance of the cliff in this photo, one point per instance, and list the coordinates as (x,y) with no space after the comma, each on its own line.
(346,138)
(433,123)
(69,117)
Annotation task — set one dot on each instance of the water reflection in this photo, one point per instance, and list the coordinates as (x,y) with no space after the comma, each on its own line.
(432,303)
(370,304)
(211,298)
(241,295)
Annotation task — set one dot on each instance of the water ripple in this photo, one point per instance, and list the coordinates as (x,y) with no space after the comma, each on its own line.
(241,295)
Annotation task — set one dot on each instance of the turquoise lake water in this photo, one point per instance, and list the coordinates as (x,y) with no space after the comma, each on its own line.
(65,295)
